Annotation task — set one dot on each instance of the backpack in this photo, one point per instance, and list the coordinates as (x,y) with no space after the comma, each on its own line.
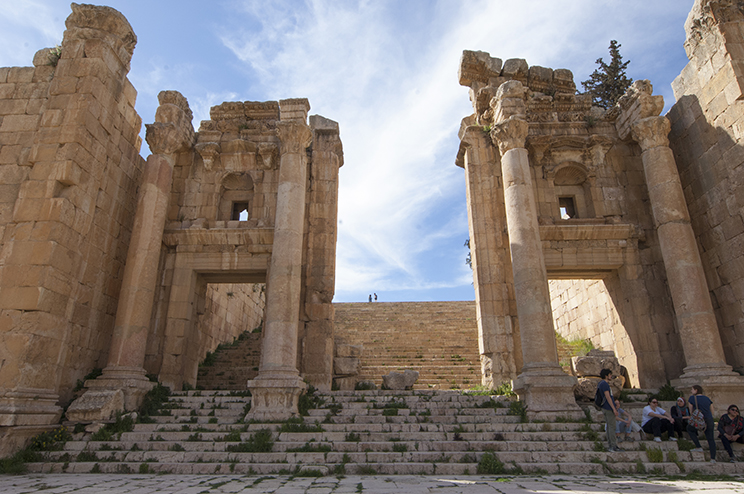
(599,399)
(697,419)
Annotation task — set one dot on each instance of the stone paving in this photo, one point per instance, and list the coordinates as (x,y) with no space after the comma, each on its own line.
(214,484)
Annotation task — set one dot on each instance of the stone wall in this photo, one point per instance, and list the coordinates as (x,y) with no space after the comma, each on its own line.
(230,309)
(707,129)
(70,165)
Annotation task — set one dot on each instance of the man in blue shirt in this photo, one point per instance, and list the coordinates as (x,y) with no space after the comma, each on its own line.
(608,408)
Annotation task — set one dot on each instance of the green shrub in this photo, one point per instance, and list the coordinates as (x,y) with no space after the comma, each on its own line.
(655,455)
(153,401)
(504,389)
(309,400)
(400,448)
(259,442)
(490,465)
(364,386)
(667,393)
(352,437)
(50,441)
(518,408)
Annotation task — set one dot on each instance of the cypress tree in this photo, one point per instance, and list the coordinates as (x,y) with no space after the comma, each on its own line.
(608,82)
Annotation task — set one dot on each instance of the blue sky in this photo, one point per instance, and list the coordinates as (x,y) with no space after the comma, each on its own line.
(386,70)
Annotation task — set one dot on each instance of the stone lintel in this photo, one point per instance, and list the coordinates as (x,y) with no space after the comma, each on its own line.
(637,103)
(294,110)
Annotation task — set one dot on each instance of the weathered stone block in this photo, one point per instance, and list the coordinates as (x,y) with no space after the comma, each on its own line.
(396,380)
(96,405)
(346,366)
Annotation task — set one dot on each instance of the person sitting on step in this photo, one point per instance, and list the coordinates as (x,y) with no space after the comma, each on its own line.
(625,424)
(731,429)
(656,420)
(681,416)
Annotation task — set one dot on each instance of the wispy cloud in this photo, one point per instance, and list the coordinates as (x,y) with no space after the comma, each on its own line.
(395,93)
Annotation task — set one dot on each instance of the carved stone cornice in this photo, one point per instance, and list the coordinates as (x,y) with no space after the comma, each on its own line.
(266,156)
(509,134)
(652,132)
(295,137)
(210,153)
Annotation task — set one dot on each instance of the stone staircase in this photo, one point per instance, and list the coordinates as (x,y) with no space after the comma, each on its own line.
(438,339)
(234,365)
(366,432)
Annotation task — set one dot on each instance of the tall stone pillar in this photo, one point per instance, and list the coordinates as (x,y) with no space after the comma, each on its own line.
(123,377)
(696,321)
(542,384)
(320,254)
(276,389)
(498,333)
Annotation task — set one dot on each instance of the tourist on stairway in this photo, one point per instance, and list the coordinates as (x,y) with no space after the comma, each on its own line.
(731,429)
(698,401)
(657,420)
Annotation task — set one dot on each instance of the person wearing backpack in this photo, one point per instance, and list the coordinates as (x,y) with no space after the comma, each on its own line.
(604,396)
(700,402)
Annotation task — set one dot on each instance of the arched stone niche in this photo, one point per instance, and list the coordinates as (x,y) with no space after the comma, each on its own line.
(236,196)
(571,185)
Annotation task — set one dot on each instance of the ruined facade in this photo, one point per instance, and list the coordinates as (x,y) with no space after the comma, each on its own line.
(142,266)
(596,204)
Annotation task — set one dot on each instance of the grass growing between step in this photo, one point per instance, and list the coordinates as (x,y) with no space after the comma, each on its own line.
(46,441)
(261,441)
(490,465)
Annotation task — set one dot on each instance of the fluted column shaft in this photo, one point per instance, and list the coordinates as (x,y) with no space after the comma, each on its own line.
(692,305)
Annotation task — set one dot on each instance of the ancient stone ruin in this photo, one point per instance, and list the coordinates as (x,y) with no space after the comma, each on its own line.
(623,227)
(111,260)
(639,209)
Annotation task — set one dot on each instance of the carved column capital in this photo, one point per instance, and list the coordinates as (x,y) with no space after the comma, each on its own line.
(172,130)
(651,132)
(295,137)
(509,134)
(164,138)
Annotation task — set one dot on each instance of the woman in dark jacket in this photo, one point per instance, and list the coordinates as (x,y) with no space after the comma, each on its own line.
(681,415)
(730,429)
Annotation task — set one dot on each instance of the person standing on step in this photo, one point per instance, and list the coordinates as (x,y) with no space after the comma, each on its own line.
(731,429)
(698,401)
(370,298)
(656,420)
(608,409)
(375,296)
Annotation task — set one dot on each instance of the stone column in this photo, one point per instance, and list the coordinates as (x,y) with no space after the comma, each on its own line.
(123,382)
(498,333)
(320,254)
(276,389)
(699,334)
(542,384)
(701,340)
